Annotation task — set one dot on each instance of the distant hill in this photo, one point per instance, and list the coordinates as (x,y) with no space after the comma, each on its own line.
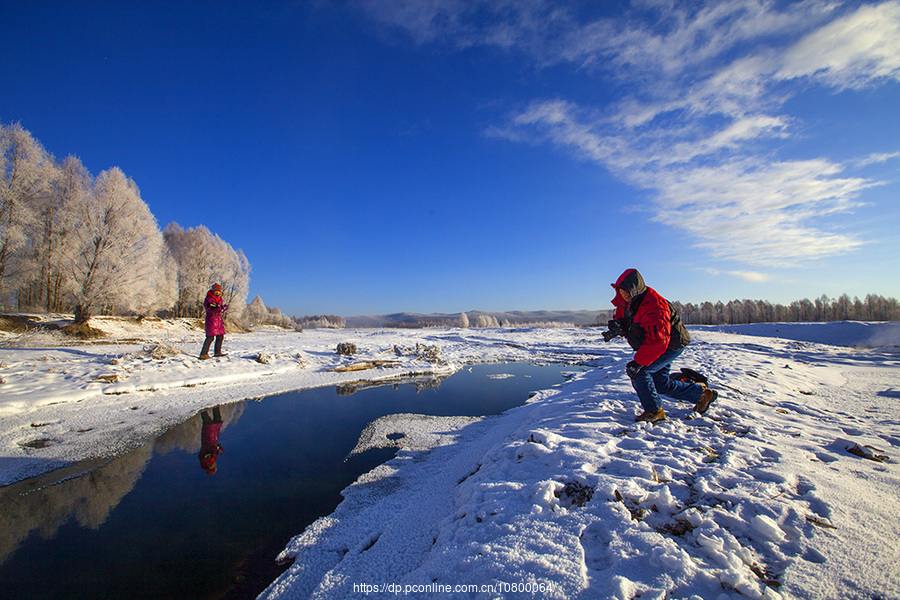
(512,318)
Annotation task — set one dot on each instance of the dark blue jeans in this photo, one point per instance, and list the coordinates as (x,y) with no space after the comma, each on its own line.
(653,380)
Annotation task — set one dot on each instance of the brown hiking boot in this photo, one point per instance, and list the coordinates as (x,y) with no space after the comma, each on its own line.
(204,357)
(651,416)
(709,396)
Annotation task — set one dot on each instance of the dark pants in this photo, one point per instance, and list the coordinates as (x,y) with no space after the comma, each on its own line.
(654,380)
(219,339)
(209,420)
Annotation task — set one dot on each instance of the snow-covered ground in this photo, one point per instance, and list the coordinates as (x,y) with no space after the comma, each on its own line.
(564,497)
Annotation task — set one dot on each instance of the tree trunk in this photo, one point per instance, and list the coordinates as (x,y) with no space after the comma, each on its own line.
(82,314)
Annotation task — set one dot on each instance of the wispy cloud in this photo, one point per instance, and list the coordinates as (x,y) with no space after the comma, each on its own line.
(851,52)
(877,158)
(759,213)
(753,276)
(704,90)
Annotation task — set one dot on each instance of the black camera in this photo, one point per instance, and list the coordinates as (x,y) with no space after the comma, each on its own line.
(616,327)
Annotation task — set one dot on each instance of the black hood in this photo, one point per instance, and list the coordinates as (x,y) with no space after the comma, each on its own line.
(632,282)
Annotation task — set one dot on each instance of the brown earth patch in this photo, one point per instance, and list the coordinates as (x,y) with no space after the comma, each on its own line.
(23,323)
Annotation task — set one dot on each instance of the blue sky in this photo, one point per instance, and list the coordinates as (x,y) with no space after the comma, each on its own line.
(372,156)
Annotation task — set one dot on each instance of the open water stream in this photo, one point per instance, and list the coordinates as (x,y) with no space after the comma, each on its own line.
(154,524)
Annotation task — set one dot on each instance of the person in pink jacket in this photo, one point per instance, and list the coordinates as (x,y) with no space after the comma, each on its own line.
(215,321)
(209,440)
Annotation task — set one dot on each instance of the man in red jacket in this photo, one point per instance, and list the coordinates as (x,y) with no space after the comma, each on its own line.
(655,332)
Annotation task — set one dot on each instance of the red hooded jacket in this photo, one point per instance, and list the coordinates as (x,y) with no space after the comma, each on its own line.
(653,326)
(215,318)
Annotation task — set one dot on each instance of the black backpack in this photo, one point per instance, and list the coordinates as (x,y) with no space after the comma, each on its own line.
(689,376)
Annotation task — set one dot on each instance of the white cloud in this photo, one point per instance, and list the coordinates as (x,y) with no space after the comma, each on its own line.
(520,25)
(752,276)
(706,86)
(759,214)
(670,39)
(731,137)
(749,209)
(877,158)
(849,52)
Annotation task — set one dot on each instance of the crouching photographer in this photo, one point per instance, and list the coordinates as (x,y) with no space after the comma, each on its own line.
(656,334)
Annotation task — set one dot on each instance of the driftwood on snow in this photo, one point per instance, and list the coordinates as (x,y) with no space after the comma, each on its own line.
(366,364)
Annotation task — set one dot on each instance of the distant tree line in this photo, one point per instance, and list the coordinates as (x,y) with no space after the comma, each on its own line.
(872,308)
(423,324)
(320,322)
(72,242)
(843,308)
(260,314)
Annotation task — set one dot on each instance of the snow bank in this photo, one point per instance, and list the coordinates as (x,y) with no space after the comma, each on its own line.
(785,488)
(567,497)
(60,405)
(847,333)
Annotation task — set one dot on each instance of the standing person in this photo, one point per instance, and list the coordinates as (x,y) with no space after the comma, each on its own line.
(215,321)
(209,440)
(655,332)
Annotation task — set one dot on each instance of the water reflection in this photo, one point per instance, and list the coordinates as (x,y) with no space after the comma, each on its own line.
(43,505)
(88,492)
(210,448)
(181,534)
(431,382)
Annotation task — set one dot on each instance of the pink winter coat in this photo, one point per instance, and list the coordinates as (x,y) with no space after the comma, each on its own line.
(209,434)
(209,446)
(215,318)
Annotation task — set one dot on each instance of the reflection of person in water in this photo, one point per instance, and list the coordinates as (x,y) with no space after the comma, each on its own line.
(209,439)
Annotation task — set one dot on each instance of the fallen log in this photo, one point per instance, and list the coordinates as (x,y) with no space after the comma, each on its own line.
(366,364)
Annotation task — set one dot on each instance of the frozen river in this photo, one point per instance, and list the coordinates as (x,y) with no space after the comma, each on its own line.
(154,524)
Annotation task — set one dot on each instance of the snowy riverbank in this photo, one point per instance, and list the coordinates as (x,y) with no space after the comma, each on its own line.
(566,496)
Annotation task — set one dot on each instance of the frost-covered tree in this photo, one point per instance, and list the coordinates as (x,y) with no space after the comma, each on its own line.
(161,285)
(483,321)
(319,322)
(233,273)
(120,250)
(276,317)
(26,170)
(193,253)
(257,312)
(203,258)
(463,321)
(260,314)
(52,244)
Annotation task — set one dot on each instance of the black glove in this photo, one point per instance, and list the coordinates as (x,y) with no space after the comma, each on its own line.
(616,328)
(633,368)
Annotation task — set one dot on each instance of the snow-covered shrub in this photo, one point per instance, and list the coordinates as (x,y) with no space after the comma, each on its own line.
(162,350)
(346,348)
(35,338)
